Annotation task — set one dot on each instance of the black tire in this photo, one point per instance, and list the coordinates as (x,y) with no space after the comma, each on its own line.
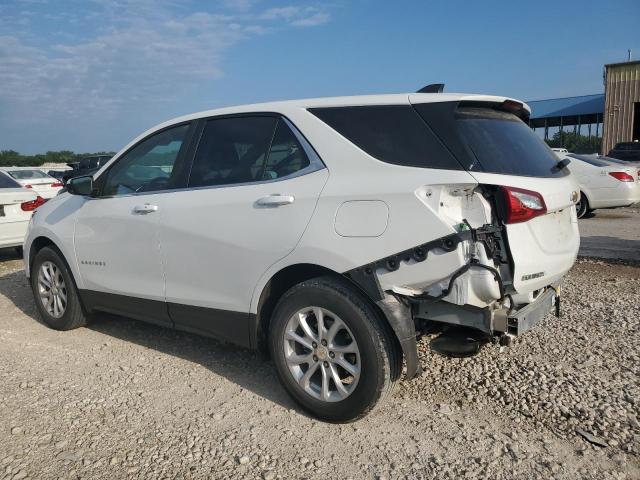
(380,358)
(73,316)
(583,206)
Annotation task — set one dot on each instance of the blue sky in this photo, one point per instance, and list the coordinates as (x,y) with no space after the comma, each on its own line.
(89,75)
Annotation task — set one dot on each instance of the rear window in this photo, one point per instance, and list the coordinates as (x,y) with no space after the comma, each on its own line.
(391,133)
(6,182)
(590,160)
(27,174)
(502,143)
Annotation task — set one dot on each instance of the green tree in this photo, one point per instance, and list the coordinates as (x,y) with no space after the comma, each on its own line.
(575,143)
(11,158)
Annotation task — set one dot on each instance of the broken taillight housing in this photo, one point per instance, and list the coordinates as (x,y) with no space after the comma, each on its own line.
(522,205)
(33,204)
(622,176)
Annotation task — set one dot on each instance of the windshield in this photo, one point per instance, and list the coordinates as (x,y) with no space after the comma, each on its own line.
(27,174)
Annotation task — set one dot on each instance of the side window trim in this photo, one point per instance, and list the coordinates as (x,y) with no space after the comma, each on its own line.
(315,162)
(183,173)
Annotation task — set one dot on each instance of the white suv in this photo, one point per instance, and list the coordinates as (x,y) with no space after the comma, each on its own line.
(326,231)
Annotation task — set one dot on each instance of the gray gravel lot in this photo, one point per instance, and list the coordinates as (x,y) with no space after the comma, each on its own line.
(612,234)
(122,399)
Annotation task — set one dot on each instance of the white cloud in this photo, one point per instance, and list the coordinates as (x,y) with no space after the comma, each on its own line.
(298,16)
(143,53)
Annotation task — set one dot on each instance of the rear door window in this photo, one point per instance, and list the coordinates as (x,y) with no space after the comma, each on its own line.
(390,133)
(286,155)
(232,150)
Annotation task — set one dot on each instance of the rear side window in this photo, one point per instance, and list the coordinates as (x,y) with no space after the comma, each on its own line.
(391,133)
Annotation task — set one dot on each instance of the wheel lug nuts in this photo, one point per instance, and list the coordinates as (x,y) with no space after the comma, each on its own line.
(314,344)
(326,364)
(331,354)
(315,359)
(324,342)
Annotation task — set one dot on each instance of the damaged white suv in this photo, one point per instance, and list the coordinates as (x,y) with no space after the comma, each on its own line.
(328,232)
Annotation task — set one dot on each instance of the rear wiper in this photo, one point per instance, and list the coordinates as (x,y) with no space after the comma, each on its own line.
(563,163)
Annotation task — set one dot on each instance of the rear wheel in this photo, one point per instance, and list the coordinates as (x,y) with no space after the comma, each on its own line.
(55,292)
(332,351)
(582,207)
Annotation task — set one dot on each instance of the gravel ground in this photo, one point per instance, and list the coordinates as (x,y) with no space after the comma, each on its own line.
(612,234)
(122,399)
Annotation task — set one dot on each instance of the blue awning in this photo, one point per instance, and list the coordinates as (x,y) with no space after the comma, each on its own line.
(589,108)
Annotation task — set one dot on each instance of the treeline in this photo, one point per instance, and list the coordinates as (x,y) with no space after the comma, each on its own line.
(576,143)
(11,158)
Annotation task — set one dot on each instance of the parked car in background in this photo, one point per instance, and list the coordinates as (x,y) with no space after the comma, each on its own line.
(603,184)
(560,150)
(326,231)
(628,151)
(58,172)
(44,185)
(87,166)
(16,206)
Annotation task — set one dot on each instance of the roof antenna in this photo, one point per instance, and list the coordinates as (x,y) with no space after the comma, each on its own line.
(432,88)
(629,55)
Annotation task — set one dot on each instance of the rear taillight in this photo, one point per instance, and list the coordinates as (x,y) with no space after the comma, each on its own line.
(28,186)
(57,184)
(522,205)
(622,176)
(33,204)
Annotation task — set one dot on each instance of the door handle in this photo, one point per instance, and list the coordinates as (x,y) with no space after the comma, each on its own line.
(146,208)
(275,200)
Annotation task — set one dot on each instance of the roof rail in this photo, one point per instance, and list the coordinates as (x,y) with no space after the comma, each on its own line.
(432,88)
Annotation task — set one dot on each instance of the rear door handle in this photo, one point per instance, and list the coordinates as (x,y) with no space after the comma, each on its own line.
(275,200)
(146,208)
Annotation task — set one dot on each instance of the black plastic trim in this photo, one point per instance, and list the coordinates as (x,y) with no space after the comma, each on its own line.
(152,311)
(211,322)
(365,275)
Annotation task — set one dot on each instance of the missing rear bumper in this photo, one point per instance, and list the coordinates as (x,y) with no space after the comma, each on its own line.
(530,315)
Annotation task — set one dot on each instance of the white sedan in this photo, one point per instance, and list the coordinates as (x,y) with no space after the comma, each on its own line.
(603,183)
(16,207)
(34,178)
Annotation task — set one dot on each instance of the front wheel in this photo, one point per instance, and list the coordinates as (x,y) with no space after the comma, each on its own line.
(333,352)
(55,292)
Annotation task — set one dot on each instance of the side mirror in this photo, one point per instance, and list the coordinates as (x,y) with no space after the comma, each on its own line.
(80,185)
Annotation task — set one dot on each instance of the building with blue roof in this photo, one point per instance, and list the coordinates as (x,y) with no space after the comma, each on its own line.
(576,112)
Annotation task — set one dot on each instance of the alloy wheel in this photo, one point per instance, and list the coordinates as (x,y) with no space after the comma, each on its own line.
(52,289)
(322,354)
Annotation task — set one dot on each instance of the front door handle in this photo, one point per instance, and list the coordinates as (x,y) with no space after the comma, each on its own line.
(146,208)
(275,200)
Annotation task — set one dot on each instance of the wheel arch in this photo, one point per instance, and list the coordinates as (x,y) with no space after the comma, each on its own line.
(38,244)
(282,281)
